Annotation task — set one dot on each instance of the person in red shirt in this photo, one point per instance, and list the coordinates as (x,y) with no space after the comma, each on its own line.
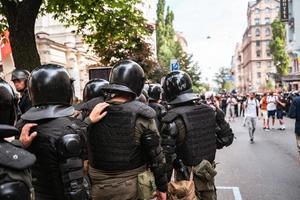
(264,112)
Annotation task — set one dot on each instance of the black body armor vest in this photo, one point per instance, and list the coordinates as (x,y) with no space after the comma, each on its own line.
(113,144)
(200,138)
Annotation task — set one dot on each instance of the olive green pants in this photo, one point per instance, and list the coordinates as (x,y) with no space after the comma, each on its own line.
(114,186)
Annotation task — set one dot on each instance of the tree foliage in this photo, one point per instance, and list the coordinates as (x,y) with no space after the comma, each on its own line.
(169,48)
(277,47)
(222,77)
(269,85)
(114,29)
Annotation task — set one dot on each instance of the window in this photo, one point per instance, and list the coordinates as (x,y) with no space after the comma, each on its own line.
(258,64)
(257,32)
(256,21)
(267,1)
(257,43)
(270,64)
(268,10)
(258,53)
(268,31)
(268,53)
(257,10)
(258,74)
(268,42)
(267,20)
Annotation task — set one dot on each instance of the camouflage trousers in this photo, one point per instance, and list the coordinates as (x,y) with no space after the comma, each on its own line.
(205,189)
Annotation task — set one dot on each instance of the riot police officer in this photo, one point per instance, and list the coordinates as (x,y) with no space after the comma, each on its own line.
(93,89)
(155,92)
(191,133)
(20,77)
(60,140)
(15,179)
(92,95)
(125,140)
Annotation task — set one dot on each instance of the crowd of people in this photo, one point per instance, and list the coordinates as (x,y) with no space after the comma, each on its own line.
(266,107)
(126,140)
(271,106)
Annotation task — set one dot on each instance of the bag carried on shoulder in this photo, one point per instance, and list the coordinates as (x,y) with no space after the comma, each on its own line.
(182,190)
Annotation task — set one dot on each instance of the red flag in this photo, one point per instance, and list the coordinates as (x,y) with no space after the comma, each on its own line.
(5,45)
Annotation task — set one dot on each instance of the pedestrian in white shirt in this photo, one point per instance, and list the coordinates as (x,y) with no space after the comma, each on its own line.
(251,114)
(271,108)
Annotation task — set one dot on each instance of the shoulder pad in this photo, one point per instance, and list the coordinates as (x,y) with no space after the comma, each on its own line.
(15,157)
(169,117)
(144,110)
(8,131)
(70,145)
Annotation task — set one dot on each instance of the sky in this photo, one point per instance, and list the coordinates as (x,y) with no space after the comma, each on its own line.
(224,21)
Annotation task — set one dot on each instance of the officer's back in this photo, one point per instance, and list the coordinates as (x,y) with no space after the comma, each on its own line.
(58,173)
(119,145)
(190,134)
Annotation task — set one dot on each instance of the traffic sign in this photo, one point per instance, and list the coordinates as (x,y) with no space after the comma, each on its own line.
(174,65)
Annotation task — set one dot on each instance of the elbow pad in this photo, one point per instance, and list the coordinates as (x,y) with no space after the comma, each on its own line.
(70,148)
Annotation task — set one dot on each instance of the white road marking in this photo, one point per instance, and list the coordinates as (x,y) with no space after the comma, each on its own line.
(236,192)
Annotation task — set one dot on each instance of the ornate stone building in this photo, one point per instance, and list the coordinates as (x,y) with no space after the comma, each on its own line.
(255,64)
(293,44)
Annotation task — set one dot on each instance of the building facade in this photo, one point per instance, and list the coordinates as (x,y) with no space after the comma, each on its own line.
(255,66)
(148,7)
(61,45)
(179,37)
(293,44)
(236,68)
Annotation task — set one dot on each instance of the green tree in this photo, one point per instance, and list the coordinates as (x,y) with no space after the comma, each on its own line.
(228,86)
(168,48)
(270,85)
(277,48)
(115,29)
(221,78)
(160,24)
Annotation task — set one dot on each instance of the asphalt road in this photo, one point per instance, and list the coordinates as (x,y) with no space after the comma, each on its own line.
(265,170)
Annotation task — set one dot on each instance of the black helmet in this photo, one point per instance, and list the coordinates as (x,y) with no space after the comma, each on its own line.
(50,85)
(8,104)
(93,89)
(177,88)
(154,92)
(19,74)
(126,76)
